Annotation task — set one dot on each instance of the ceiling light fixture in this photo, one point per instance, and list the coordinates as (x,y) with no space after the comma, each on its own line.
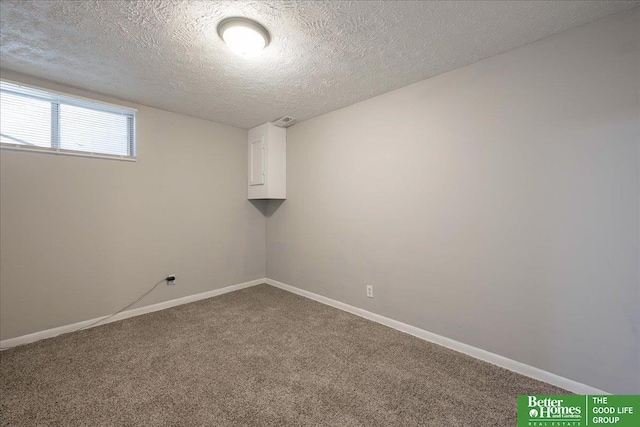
(243,36)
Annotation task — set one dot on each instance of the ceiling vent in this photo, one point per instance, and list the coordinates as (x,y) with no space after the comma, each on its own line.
(284,122)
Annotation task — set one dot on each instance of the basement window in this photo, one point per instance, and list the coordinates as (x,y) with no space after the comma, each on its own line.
(39,120)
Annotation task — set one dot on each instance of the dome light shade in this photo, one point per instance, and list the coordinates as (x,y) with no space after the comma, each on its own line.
(243,36)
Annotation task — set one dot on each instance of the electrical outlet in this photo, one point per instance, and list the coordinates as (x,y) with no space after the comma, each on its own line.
(370,291)
(171,280)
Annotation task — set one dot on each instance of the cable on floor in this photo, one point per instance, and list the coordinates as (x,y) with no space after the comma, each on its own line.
(102,319)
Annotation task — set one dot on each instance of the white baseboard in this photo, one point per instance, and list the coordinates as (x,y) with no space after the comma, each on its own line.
(478,353)
(54,332)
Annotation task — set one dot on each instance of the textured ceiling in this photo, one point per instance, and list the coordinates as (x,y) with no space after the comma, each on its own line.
(323,55)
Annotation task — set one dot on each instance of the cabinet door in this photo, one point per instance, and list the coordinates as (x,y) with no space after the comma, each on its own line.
(256,163)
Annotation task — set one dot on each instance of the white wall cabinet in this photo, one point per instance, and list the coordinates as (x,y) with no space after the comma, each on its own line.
(267,162)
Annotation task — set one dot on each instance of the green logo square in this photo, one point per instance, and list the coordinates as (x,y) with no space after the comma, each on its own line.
(578,410)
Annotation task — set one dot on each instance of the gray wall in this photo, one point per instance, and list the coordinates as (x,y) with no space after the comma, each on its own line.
(497,205)
(81,237)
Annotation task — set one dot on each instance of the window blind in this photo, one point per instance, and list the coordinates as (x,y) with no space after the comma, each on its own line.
(35,119)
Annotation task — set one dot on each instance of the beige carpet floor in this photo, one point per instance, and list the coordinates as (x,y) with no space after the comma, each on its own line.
(256,357)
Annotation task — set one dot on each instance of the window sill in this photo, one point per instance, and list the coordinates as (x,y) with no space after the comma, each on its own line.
(62,152)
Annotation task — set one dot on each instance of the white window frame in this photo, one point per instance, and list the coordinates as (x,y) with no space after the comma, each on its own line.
(56,98)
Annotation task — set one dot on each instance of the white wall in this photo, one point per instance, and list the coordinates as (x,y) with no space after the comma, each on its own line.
(497,205)
(81,237)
